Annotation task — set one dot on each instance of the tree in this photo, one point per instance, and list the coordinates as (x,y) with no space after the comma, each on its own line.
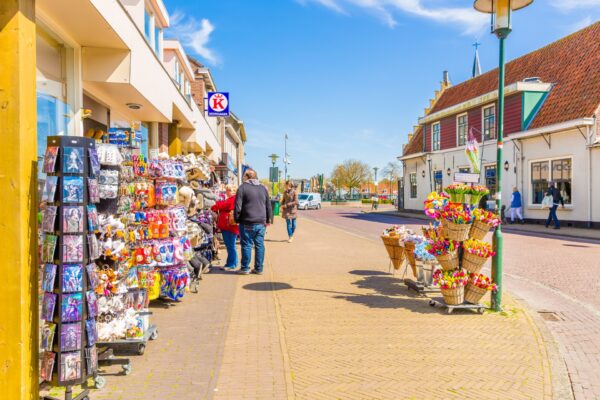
(392,172)
(350,174)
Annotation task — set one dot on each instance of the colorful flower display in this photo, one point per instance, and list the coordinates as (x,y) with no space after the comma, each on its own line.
(486,217)
(457,214)
(441,247)
(478,248)
(482,281)
(457,192)
(435,203)
(450,279)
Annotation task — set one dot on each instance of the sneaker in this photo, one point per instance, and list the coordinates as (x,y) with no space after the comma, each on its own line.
(228,268)
(257,272)
(244,272)
(557,227)
(290,240)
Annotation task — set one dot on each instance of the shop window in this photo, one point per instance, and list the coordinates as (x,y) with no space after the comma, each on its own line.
(557,171)
(561,176)
(489,122)
(490,178)
(413,185)
(435,136)
(461,129)
(438,181)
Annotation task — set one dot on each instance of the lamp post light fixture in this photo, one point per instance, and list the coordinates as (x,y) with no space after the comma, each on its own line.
(500,11)
(506,166)
(448,172)
(423,173)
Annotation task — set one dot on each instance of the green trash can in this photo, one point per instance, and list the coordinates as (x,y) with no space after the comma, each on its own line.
(275,204)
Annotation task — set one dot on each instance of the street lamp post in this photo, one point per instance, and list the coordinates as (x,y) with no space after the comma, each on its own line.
(501,25)
(273,158)
(375,169)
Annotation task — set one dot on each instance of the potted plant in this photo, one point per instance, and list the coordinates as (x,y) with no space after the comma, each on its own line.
(477,287)
(476,253)
(452,285)
(483,221)
(445,251)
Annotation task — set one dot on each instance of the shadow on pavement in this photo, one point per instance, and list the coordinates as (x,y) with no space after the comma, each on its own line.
(367,272)
(378,301)
(267,286)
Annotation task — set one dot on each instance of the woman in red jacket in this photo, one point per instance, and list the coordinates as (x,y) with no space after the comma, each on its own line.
(227,225)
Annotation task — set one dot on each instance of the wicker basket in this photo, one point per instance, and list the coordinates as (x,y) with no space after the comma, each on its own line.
(394,249)
(409,249)
(474,294)
(457,232)
(449,261)
(479,230)
(454,297)
(472,262)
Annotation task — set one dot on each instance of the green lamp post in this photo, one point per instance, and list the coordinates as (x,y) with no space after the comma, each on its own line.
(273,158)
(501,25)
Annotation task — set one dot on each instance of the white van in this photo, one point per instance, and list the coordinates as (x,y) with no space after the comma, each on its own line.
(309,200)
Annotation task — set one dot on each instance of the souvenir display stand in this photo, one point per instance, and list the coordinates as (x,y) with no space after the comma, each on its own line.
(68,307)
(455,240)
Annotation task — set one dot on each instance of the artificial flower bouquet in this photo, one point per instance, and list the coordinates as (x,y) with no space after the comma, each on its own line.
(457,192)
(396,231)
(445,251)
(476,253)
(435,203)
(433,232)
(483,221)
(477,287)
(452,285)
(392,238)
(456,221)
(476,193)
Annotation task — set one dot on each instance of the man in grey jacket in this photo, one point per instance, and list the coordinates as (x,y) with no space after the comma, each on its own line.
(252,211)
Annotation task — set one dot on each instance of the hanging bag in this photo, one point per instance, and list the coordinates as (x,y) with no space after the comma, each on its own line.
(547,202)
(231,219)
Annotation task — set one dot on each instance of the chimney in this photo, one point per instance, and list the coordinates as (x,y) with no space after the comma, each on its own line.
(446,80)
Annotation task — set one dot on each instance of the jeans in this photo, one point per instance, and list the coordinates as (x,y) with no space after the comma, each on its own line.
(552,216)
(229,239)
(291,226)
(253,236)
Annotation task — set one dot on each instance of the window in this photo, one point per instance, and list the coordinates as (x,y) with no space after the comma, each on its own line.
(438,181)
(148,26)
(413,185)
(489,123)
(435,136)
(490,178)
(561,176)
(557,171)
(464,170)
(157,41)
(462,126)
(539,181)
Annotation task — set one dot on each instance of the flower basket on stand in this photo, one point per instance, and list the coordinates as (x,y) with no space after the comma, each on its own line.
(394,249)
(476,193)
(477,287)
(479,230)
(409,250)
(454,296)
(483,221)
(449,261)
(454,231)
(476,253)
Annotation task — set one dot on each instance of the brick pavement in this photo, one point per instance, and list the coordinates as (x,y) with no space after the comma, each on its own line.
(354,332)
(545,272)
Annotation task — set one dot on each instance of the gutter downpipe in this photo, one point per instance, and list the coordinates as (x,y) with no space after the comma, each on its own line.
(589,162)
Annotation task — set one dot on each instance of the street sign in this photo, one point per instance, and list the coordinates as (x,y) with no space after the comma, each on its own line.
(465,177)
(273,174)
(218,104)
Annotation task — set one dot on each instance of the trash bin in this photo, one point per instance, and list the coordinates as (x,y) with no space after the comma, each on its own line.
(275,204)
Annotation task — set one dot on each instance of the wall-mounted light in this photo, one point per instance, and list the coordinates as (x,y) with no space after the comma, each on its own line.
(134,106)
(506,166)
(448,171)
(423,173)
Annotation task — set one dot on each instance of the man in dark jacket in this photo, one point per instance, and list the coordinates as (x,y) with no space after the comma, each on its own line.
(252,211)
(556,200)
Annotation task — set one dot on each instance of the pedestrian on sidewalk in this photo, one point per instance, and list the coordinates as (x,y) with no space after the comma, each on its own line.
(374,203)
(515,206)
(229,228)
(252,211)
(289,207)
(556,200)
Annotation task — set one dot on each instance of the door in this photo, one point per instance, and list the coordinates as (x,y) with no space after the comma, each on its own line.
(401,194)
(311,203)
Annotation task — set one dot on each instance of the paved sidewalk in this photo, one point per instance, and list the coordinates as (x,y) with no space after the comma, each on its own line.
(326,321)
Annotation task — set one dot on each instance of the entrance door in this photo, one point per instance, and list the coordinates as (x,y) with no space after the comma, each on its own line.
(401,194)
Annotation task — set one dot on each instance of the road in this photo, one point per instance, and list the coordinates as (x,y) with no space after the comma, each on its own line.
(557,277)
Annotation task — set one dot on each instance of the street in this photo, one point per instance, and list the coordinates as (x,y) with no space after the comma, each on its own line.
(557,277)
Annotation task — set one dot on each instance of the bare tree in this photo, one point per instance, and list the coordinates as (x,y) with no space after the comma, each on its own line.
(351,174)
(392,171)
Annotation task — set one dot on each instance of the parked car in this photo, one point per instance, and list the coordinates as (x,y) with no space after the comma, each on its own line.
(309,200)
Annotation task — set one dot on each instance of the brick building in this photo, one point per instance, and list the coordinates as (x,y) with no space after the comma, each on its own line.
(552,102)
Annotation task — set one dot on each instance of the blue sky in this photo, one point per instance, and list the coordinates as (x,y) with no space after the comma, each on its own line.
(348,78)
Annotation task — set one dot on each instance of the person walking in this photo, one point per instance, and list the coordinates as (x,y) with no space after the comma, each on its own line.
(289,207)
(252,211)
(556,200)
(229,228)
(515,206)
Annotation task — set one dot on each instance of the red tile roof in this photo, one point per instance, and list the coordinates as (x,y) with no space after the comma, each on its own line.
(572,64)
(416,143)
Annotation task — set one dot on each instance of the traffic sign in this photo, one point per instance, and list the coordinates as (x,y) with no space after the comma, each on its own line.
(218,104)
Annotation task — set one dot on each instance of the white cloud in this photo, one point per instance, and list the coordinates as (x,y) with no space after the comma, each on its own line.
(470,21)
(568,5)
(582,23)
(194,34)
